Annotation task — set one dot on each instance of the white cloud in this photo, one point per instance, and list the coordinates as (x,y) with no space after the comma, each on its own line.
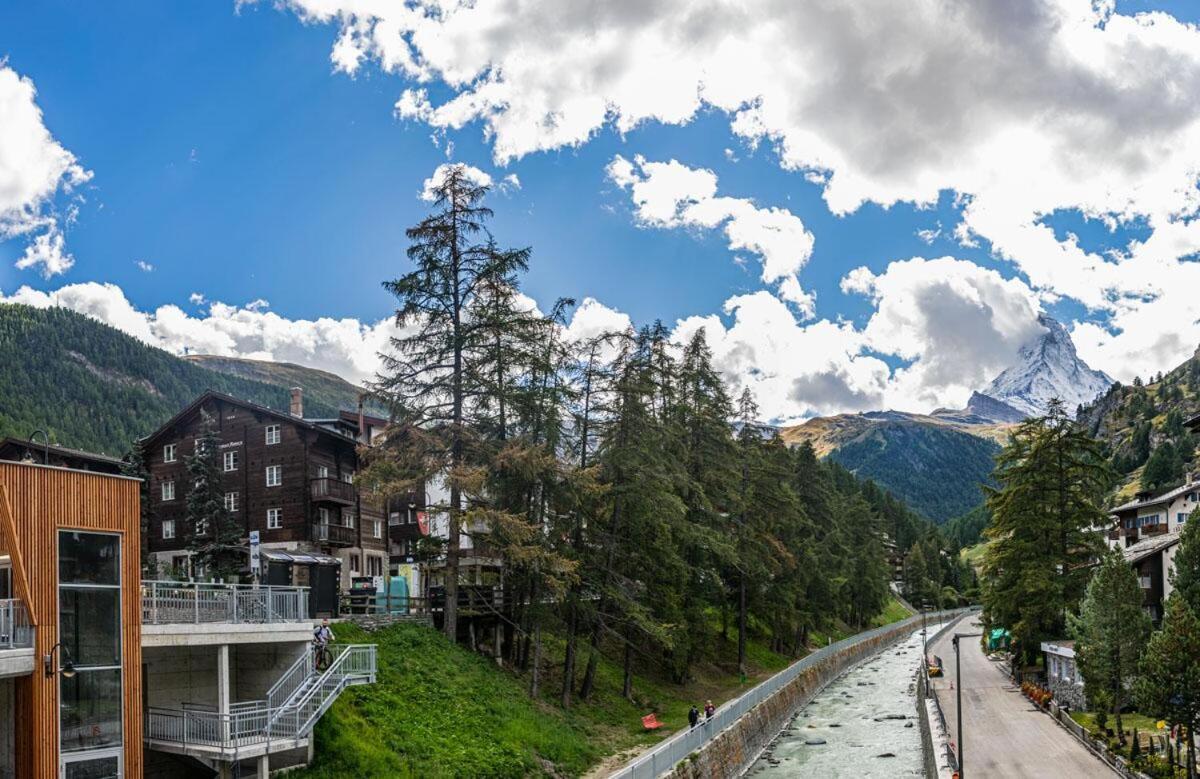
(346,347)
(34,170)
(144,266)
(670,194)
(1021,108)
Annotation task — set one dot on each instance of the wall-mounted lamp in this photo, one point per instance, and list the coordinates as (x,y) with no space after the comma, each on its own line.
(67,669)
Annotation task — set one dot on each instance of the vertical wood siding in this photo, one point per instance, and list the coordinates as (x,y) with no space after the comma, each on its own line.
(44,501)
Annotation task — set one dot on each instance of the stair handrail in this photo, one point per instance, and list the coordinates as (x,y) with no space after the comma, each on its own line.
(291,680)
(331,682)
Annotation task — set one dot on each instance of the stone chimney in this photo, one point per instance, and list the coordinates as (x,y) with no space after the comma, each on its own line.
(297,408)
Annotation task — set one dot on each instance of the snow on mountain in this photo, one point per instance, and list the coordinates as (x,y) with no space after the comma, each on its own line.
(1048,368)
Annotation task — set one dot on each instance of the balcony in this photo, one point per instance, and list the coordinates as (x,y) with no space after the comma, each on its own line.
(327,489)
(1114,535)
(187,603)
(334,535)
(16,640)
(1154,530)
(1129,532)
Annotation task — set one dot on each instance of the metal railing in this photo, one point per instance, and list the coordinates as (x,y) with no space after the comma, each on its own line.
(283,717)
(664,756)
(15,630)
(173,603)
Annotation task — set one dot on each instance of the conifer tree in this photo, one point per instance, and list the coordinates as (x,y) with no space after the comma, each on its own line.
(135,468)
(1168,684)
(435,374)
(1052,477)
(1110,633)
(212,535)
(1185,569)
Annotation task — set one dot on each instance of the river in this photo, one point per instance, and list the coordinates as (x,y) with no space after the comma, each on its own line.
(864,724)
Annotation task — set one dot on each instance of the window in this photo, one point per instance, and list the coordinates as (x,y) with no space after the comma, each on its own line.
(169,453)
(374,566)
(355,563)
(89,627)
(323,515)
(274,475)
(377,528)
(348,518)
(231,501)
(322,471)
(168,490)
(272,434)
(231,461)
(168,528)
(1182,517)
(274,519)
(202,527)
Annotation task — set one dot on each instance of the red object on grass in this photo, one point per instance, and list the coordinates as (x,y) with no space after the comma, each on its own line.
(650,722)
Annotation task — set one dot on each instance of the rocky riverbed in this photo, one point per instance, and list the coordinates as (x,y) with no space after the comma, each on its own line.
(864,724)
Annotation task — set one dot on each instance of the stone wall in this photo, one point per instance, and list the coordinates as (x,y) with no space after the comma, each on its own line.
(1070,693)
(732,751)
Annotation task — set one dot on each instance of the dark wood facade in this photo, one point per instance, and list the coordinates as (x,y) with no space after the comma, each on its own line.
(318,505)
(36,502)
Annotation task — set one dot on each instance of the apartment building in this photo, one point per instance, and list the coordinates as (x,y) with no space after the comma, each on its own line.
(287,477)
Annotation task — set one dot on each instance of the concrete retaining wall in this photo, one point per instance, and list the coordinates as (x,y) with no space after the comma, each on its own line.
(732,751)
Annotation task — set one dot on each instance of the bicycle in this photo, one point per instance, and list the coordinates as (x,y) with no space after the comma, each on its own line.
(322,657)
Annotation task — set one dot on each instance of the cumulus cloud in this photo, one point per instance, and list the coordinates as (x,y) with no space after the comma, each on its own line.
(34,170)
(1023,108)
(346,347)
(144,266)
(670,194)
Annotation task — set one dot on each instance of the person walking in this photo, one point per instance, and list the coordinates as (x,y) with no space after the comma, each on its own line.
(709,710)
(693,716)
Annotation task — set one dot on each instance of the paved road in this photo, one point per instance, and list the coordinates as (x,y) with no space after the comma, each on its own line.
(1006,736)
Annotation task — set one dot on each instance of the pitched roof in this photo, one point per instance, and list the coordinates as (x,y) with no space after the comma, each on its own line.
(1149,546)
(61,451)
(1157,500)
(267,410)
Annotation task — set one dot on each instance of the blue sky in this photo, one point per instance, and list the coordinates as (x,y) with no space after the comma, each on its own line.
(227,153)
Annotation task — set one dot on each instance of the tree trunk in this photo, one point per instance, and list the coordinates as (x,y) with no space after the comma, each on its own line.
(1120,728)
(742,623)
(627,687)
(589,674)
(568,682)
(537,661)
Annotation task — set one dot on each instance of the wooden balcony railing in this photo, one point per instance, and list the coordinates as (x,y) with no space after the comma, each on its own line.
(327,489)
(334,535)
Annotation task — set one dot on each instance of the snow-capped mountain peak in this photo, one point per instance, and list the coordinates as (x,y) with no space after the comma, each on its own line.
(1048,367)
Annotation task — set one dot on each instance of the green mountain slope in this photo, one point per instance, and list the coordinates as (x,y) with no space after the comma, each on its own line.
(322,386)
(92,387)
(936,467)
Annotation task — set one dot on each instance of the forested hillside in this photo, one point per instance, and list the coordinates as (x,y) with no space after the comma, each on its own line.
(92,387)
(322,386)
(936,469)
(1141,427)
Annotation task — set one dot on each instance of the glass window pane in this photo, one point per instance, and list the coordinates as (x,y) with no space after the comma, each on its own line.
(100,768)
(90,713)
(90,621)
(88,558)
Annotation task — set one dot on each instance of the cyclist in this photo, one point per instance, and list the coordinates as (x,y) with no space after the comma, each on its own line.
(322,637)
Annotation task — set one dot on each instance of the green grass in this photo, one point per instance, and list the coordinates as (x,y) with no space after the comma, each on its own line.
(894,611)
(441,710)
(973,555)
(1129,720)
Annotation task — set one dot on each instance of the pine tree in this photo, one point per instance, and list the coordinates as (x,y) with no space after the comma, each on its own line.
(1052,478)
(437,372)
(1185,571)
(1168,685)
(212,535)
(918,585)
(135,468)
(1110,633)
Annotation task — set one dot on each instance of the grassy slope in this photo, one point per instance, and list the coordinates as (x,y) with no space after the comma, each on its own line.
(322,385)
(439,710)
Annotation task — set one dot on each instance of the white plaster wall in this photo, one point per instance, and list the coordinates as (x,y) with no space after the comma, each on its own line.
(178,674)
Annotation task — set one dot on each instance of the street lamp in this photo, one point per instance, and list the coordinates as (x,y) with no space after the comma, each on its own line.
(67,669)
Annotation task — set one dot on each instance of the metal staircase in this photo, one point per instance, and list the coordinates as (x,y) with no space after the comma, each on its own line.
(284,720)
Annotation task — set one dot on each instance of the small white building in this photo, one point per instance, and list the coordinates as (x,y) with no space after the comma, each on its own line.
(1062,674)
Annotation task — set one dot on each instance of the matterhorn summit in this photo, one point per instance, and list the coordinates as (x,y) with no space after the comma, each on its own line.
(1048,367)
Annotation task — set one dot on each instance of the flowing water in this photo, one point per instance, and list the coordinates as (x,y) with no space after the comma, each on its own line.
(864,724)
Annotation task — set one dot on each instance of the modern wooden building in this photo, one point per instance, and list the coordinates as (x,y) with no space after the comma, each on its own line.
(69,544)
(285,476)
